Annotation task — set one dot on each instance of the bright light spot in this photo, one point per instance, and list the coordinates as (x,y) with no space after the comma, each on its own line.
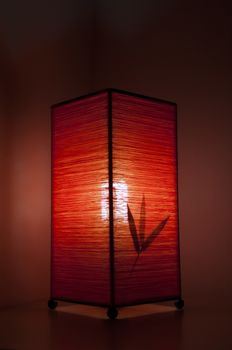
(120,195)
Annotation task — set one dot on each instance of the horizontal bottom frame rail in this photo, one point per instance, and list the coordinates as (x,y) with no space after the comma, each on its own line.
(112,310)
(142,302)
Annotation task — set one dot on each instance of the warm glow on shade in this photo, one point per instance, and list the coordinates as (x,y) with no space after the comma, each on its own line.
(114,200)
(120,192)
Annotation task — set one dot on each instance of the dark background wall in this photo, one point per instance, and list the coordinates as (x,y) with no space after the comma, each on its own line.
(174,50)
(46,56)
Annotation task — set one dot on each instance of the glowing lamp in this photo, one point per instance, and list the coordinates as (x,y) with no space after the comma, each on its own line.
(115,238)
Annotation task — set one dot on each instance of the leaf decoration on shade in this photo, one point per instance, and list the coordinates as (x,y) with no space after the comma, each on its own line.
(142,222)
(154,234)
(133,230)
(137,257)
(140,243)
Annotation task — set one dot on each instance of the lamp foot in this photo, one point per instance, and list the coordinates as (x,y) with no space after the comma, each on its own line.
(112,313)
(52,304)
(179,304)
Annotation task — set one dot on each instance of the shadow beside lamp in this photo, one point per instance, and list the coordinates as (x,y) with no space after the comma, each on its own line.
(115,238)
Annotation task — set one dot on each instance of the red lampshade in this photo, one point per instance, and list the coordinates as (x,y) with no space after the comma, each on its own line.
(114,200)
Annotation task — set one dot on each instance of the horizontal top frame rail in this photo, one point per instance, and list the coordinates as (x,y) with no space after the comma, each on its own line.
(123,92)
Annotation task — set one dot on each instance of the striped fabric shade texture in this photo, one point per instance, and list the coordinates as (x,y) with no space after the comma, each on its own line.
(80,237)
(145,256)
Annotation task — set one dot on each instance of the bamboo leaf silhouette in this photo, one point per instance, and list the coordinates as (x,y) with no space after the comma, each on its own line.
(137,257)
(133,230)
(142,221)
(139,241)
(154,234)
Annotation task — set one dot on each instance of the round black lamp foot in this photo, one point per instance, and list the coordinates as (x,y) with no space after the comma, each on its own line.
(112,313)
(52,304)
(179,304)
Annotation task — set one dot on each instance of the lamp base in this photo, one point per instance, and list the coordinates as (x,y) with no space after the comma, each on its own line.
(52,304)
(179,304)
(112,313)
